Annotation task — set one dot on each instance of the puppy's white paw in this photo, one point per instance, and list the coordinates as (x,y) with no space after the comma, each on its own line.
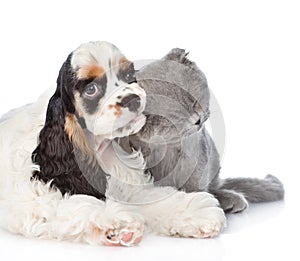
(201,218)
(125,230)
(123,237)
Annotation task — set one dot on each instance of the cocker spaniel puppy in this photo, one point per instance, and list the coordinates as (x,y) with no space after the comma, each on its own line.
(63,176)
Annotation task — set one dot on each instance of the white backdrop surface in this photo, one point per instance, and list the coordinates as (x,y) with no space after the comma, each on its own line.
(249,51)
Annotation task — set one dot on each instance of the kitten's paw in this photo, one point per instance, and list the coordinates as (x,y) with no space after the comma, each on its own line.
(231,201)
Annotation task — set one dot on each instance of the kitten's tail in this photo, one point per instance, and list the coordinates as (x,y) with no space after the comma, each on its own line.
(256,190)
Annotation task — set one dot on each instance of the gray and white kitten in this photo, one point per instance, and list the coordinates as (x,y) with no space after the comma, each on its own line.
(177,148)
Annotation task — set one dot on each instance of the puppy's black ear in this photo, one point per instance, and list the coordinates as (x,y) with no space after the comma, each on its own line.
(54,147)
(59,161)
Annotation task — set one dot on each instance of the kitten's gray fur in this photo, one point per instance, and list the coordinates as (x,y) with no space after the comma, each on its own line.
(179,152)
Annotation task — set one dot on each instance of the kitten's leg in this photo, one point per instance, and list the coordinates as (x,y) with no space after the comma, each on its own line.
(230,201)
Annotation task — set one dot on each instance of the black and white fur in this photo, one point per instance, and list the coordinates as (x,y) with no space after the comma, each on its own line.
(63,177)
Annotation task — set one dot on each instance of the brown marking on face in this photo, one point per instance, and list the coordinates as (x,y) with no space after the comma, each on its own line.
(90,71)
(117,107)
(124,63)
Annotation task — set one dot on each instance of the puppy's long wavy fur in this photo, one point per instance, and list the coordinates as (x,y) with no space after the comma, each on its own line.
(70,168)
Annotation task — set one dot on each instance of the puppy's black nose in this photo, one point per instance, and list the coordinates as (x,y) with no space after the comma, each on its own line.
(132,102)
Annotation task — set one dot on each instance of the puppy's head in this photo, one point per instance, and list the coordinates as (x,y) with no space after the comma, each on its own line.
(97,84)
(97,98)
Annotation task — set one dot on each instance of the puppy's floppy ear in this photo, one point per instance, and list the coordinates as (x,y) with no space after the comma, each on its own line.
(55,153)
(53,142)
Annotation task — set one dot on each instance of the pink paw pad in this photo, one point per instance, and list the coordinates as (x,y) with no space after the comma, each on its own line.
(124,238)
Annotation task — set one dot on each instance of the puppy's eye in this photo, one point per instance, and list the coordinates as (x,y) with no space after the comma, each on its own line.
(129,77)
(90,90)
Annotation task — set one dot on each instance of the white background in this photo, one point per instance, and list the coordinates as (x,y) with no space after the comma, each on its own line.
(250,53)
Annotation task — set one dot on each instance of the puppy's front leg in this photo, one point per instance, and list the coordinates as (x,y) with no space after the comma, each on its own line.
(78,218)
(176,213)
